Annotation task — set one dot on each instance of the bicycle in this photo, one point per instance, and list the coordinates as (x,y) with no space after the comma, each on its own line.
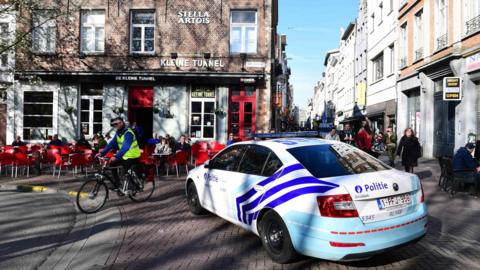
(93,194)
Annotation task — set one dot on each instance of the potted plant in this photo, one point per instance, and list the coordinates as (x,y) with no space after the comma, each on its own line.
(69,109)
(118,110)
(220,112)
(169,115)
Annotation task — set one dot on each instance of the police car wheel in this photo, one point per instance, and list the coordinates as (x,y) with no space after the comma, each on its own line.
(276,239)
(193,200)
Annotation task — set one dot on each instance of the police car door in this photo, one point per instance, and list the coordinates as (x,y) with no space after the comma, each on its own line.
(258,164)
(222,169)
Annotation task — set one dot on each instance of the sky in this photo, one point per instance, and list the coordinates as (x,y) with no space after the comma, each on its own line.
(312,28)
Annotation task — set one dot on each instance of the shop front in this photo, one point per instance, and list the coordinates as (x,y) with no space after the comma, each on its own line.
(204,108)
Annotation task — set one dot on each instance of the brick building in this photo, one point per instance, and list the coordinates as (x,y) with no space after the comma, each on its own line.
(201,67)
(437,39)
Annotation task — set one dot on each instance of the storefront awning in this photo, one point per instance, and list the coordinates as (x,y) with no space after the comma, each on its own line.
(387,107)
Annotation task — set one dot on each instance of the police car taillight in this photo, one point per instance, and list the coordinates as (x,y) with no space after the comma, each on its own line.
(337,206)
(422,198)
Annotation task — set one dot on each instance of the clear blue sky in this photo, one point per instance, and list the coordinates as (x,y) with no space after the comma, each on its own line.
(312,28)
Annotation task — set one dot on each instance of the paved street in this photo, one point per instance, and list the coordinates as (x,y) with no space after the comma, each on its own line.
(162,234)
(31,227)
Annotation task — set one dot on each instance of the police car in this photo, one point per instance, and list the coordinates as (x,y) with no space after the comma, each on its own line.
(313,197)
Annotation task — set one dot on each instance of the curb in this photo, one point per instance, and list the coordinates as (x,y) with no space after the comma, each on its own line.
(35,189)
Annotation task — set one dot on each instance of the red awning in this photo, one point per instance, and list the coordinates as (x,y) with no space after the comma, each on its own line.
(140,97)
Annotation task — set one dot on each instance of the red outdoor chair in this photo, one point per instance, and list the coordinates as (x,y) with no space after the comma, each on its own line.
(179,158)
(76,160)
(201,158)
(218,147)
(23,149)
(22,160)
(7,159)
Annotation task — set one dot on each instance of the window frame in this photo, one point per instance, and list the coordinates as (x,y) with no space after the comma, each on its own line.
(83,14)
(242,147)
(471,11)
(142,27)
(44,23)
(4,39)
(54,115)
(403,44)
(376,76)
(203,100)
(243,38)
(441,24)
(392,58)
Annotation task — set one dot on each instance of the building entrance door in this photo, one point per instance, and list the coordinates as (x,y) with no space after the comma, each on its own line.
(140,110)
(444,121)
(242,111)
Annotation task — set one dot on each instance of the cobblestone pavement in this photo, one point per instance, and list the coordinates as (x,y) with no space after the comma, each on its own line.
(162,234)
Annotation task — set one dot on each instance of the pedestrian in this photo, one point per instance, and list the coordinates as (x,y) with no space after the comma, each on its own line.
(55,141)
(18,142)
(379,144)
(465,165)
(332,135)
(183,145)
(231,139)
(154,140)
(347,136)
(82,142)
(410,150)
(364,138)
(390,145)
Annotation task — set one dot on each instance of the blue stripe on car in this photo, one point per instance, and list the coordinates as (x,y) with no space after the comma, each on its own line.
(265,182)
(280,187)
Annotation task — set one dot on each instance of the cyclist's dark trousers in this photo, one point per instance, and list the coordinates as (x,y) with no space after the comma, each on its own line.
(126,164)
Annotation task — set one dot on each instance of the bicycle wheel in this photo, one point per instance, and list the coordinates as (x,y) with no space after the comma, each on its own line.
(143,194)
(91,196)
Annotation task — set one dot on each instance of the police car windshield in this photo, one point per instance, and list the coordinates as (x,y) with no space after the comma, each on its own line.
(336,160)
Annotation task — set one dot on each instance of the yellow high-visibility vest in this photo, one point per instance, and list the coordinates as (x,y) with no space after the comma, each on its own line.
(134,151)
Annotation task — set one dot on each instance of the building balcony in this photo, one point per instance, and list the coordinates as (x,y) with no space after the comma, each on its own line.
(403,62)
(442,42)
(473,25)
(418,54)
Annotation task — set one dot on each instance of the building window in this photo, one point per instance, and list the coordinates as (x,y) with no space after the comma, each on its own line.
(472,16)
(441,23)
(380,10)
(378,67)
(243,31)
(391,6)
(37,115)
(142,32)
(392,58)
(93,31)
(4,37)
(91,103)
(418,35)
(44,32)
(372,19)
(403,45)
(202,115)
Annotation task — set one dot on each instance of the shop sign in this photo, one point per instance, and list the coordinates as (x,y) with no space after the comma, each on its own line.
(247,80)
(192,63)
(135,78)
(203,93)
(473,62)
(452,88)
(193,17)
(251,64)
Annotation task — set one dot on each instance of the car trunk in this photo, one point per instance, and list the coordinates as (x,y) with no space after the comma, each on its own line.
(382,195)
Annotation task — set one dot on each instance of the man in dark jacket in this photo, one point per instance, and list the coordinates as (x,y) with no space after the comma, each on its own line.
(465,165)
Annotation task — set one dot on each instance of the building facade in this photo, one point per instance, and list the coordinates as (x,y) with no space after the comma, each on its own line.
(281,91)
(360,68)
(382,68)
(331,88)
(439,38)
(7,62)
(346,75)
(202,68)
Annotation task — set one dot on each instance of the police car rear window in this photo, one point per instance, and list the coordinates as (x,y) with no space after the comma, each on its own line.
(336,160)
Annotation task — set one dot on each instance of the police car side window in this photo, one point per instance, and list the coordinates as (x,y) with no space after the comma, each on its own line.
(272,165)
(254,160)
(229,159)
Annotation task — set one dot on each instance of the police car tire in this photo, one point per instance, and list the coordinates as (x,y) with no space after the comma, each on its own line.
(287,253)
(193,200)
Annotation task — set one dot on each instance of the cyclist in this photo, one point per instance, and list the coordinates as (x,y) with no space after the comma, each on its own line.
(128,154)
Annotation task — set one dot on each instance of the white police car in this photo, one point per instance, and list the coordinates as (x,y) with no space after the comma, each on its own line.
(313,197)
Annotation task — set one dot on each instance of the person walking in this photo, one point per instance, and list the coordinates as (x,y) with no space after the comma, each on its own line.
(364,138)
(390,145)
(347,135)
(332,135)
(410,150)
